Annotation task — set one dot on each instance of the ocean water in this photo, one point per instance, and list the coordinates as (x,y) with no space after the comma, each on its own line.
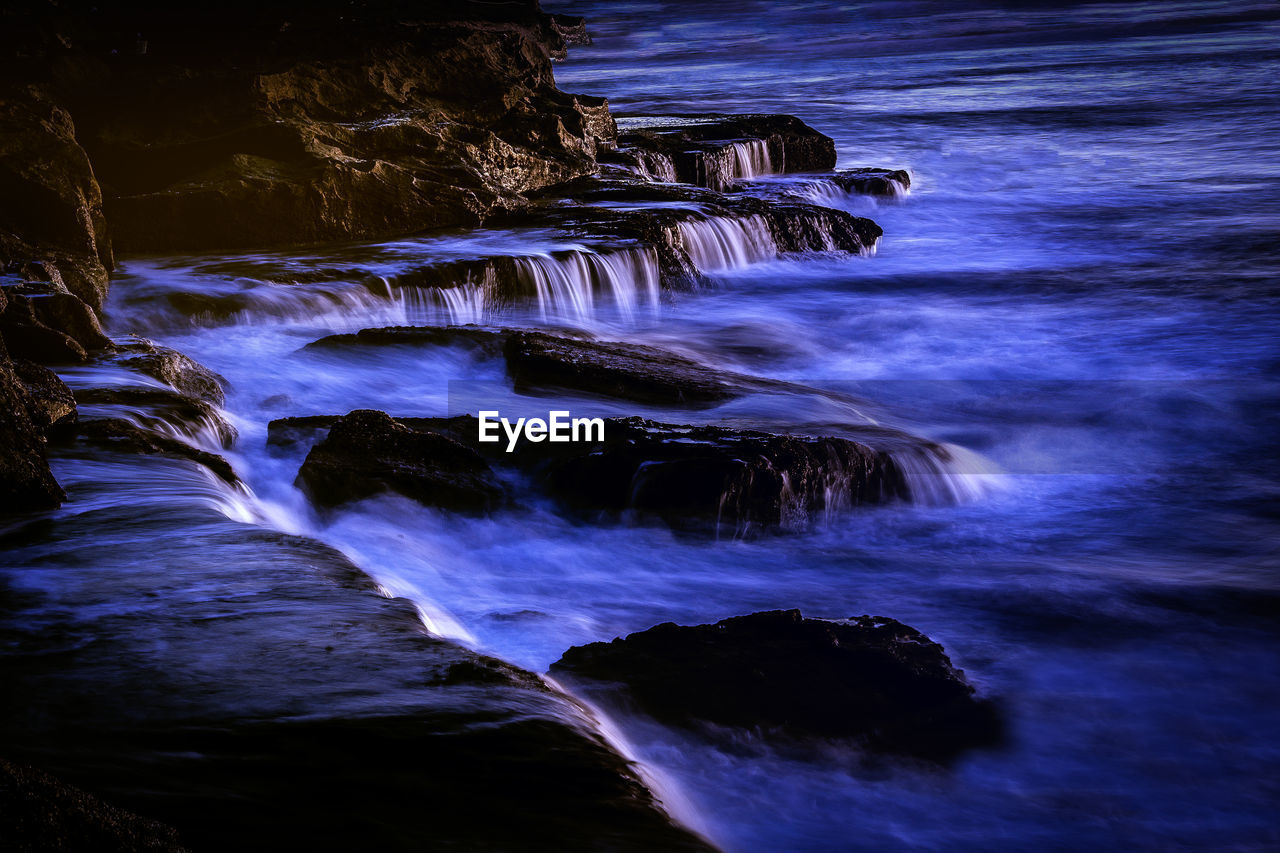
(1079,294)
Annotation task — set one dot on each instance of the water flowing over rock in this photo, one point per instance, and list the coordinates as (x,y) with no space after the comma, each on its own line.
(275,698)
(173,368)
(715,151)
(871,679)
(162,410)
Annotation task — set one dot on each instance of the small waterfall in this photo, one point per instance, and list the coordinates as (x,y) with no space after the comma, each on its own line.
(750,158)
(947,474)
(836,191)
(657,167)
(722,242)
(574,285)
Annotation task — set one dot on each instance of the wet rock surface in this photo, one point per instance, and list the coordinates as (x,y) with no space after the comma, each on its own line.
(699,479)
(272,698)
(121,435)
(49,401)
(735,481)
(870,679)
(160,409)
(173,368)
(366,453)
(536,360)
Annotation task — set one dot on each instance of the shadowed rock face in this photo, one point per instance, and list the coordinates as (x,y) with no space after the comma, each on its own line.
(870,679)
(315,122)
(52,227)
(367,452)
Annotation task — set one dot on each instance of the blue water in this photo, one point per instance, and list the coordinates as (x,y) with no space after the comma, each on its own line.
(1080,291)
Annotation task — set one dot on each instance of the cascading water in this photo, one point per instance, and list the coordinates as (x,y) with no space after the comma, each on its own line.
(723,243)
(569,286)
(655,166)
(750,158)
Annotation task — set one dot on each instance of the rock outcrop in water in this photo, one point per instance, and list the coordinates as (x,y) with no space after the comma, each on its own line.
(870,679)
(696,478)
(366,453)
(714,151)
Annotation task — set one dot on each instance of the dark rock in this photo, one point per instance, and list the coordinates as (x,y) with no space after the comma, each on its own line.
(49,401)
(51,223)
(161,409)
(302,123)
(41,813)
(572,29)
(871,679)
(257,691)
(287,432)
(121,435)
(366,453)
(536,360)
(737,481)
(882,182)
(701,148)
(694,478)
(26,483)
(173,368)
(41,344)
(486,340)
(41,305)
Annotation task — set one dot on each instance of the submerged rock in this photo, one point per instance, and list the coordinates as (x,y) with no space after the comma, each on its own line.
(871,679)
(256,690)
(366,453)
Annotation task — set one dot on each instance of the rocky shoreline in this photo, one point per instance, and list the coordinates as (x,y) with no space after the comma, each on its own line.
(140,130)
